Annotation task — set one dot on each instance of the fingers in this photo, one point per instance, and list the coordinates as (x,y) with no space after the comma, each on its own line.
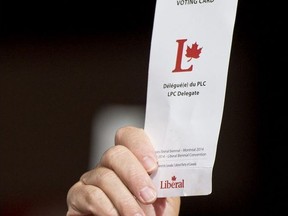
(122,170)
(138,142)
(113,187)
(163,206)
(86,200)
(120,182)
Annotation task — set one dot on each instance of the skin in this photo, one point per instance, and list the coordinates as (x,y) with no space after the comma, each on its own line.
(120,184)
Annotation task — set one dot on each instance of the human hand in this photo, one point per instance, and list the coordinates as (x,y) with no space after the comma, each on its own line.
(120,184)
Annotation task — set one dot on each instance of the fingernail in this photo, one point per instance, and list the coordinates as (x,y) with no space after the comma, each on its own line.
(148,194)
(149,163)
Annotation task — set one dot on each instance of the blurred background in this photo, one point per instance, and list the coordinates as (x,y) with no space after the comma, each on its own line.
(66,67)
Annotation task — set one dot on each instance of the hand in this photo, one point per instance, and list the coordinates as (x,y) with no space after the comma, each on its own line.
(120,184)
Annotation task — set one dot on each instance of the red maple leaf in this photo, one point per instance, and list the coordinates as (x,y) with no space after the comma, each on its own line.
(173,178)
(193,51)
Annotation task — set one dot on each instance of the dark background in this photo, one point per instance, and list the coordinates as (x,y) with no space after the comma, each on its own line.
(61,61)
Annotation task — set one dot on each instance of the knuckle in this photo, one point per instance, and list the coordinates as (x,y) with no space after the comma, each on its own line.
(103,175)
(95,195)
(113,154)
(124,130)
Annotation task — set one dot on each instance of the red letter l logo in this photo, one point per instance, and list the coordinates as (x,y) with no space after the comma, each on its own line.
(178,67)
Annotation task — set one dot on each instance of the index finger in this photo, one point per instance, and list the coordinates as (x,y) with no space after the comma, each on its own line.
(137,141)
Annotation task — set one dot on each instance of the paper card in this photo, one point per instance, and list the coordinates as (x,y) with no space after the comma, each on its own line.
(189,59)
